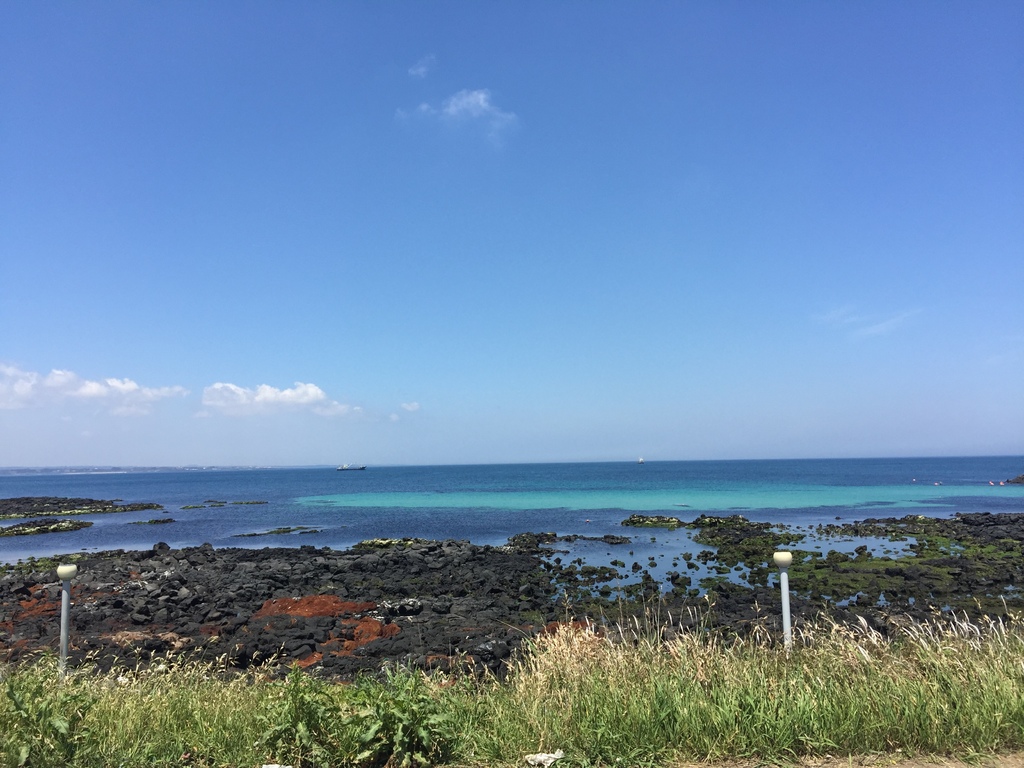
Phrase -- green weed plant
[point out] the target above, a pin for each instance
(401, 722)
(45, 721)
(636, 695)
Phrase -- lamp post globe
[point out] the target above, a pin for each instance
(65, 572)
(783, 560)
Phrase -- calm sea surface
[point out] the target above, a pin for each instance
(487, 504)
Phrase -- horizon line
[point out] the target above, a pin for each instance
(213, 467)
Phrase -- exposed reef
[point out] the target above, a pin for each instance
(653, 521)
(46, 506)
(434, 604)
(969, 562)
(279, 531)
(530, 542)
(34, 527)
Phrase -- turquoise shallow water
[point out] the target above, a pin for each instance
(488, 503)
(720, 499)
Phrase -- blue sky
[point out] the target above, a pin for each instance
(459, 232)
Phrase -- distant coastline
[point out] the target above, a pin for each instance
(89, 469)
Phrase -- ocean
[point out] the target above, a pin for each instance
(488, 503)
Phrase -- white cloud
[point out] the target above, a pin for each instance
(477, 105)
(236, 400)
(408, 407)
(26, 389)
(17, 387)
(334, 409)
(474, 104)
(470, 107)
(422, 67)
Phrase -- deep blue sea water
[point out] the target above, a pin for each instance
(487, 504)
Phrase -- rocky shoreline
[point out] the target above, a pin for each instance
(438, 604)
(425, 603)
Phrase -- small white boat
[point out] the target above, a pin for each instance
(640, 460)
(346, 467)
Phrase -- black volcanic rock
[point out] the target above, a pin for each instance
(345, 611)
(438, 604)
(46, 506)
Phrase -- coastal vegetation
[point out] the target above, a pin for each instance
(638, 694)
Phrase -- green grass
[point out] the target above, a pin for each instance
(958, 690)
(949, 688)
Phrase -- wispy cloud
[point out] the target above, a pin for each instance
(885, 326)
(124, 397)
(860, 325)
(470, 107)
(407, 407)
(1011, 350)
(423, 67)
(844, 315)
(477, 105)
(240, 401)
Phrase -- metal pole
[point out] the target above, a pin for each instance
(784, 560)
(65, 573)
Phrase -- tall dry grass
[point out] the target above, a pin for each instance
(623, 697)
(952, 687)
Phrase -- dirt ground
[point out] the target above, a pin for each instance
(1010, 760)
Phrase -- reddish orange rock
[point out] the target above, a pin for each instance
(311, 605)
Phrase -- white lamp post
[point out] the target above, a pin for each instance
(784, 560)
(65, 573)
